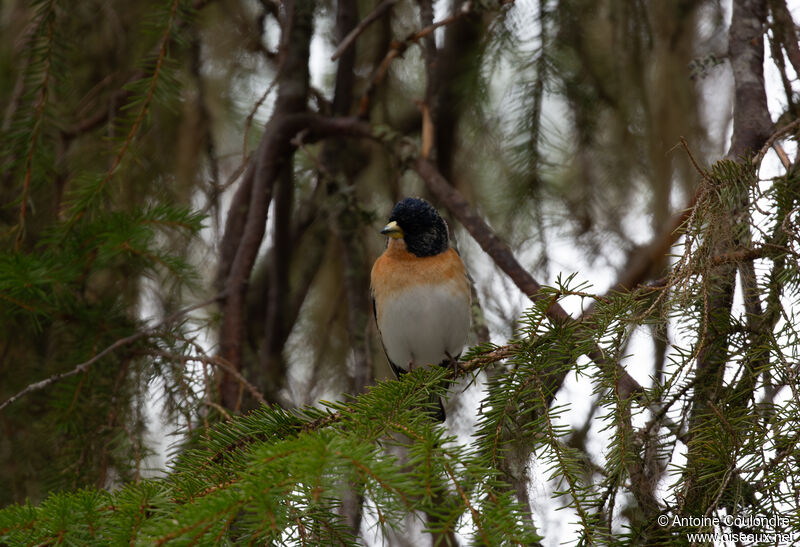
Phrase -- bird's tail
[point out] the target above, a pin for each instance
(435, 402)
(436, 408)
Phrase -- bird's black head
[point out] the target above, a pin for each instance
(418, 223)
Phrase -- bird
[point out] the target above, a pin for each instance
(421, 295)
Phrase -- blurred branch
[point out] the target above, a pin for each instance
(206, 123)
(429, 42)
(398, 48)
(277, 143)
(452, 73)
(642, 264)
(121, 95)
(304, 269)
(786, 30)
(244, 230)
(41, 101)
(253, 111)
(246, 222)
(484, 235)
(373, 16)
(272, 362)
(293, 90)
(752, 125)
(24, 45)
(167, 37)
(479, 326)
(339, 167)
(272, 166)
(102, 115)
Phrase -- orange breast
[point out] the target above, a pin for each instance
(397, 269)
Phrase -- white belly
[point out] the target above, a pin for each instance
(423, 325)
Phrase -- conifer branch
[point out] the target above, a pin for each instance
(102, 115)
(752, 128)
(143, 110)
(562, 465)
(120, 96)
(162, 55)
(49, 17)
(476, 517)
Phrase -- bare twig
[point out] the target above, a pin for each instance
(779, 134)
(219, 408)
(215, 361)
(249, 122)
(83, 367)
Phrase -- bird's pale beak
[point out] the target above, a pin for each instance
(392, 230)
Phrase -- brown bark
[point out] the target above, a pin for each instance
(751, 121)
(271, 167)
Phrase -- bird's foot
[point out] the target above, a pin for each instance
(453, 363)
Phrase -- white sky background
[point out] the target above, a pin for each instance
(556, 526)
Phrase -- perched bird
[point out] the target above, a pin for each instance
(420, 292)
